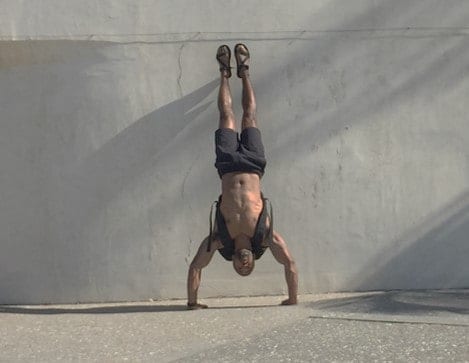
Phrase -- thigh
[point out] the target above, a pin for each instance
(226, 143)
(251, 139)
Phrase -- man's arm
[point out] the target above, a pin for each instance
(201, 259)
(282, 255)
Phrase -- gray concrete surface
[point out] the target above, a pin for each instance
(392, 326)
(107, 116)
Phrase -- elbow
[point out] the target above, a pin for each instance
(194, 269)
(290, 266)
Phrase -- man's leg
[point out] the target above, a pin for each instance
(226, 138)
(249, 103)
(227, 119)
(251, 140)
(248, 98)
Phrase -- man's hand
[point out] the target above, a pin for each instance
(289, 302)
(196, 306)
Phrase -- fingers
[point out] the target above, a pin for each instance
(289, 302)
(196, 306)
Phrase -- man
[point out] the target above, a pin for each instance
(243, 227)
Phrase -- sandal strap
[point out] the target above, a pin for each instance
(241, 68)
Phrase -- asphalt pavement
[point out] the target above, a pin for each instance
(384, 326)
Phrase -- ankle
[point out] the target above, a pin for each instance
(224, 73)
(243, 71)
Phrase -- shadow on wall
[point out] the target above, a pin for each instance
(139, 150)
(47, 113)
(31, 127)
(432, 255)
(420, 70)
(400, 302)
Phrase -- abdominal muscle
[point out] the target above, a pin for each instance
(241, 203)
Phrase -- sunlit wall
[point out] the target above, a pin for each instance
(107, 114)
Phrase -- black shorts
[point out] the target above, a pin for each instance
(245, 154)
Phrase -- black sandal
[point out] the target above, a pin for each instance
(240, 51)
(222, 51)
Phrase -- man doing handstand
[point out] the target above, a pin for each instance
(243, 226)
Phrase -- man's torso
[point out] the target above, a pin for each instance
(241, 203)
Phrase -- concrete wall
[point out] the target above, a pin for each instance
(107, 116)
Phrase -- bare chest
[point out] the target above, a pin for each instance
(241, 216)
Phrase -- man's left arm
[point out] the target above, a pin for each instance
(282, 255)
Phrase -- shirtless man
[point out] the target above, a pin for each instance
(242, 224)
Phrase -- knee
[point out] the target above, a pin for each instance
(226, 115)
(227, 120)
(249, 119)
(249, 113)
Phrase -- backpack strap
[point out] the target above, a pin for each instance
(271, 216)
(210, 234)
(271, 229)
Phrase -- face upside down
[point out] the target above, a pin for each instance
(243, 262)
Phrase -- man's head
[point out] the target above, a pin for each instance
(243, 261)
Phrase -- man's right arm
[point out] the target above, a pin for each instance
(201, 259)
(282, 255)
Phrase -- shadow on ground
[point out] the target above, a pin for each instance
(92, 310)
(115, 309)
(400, 302)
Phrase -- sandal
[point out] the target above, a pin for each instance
(242, 57)
(224, 58)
